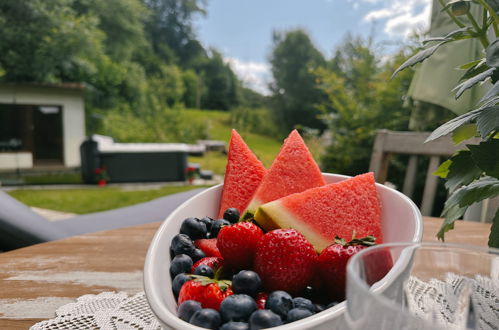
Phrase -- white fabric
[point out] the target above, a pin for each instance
(108, 310)
(448, 302)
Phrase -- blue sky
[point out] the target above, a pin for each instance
(242, 29)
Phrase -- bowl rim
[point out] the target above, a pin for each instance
(162, 312)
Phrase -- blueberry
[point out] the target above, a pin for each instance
(178, 281)
(182, 244)
(204, 270)
(246, 281)
(297, 314)
(187, 309)
(319, 308)
(208, 222)
(280, 302)
(180, 264)
(206, 318)
(264, 318)
(197, 254)
(231, 215)
(332, 304)
(193, 228)
(304, 303)
(237, 307)
(235, 326)
(217, 225)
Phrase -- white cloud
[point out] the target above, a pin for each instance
(400, 17)
(255, 75)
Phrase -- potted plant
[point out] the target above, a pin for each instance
(472, 174)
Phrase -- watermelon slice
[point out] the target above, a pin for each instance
(294, 170)
(243, 174)
(322, 213)
(208, 246)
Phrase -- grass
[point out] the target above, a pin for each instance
(82, 201)
(218, 122)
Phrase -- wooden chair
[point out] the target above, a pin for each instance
(388, 143)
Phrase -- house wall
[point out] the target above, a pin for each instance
(73, 113)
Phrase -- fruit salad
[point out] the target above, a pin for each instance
(277, 251)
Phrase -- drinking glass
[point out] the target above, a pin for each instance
(423, 286)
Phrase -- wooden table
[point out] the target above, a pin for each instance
(36, 280)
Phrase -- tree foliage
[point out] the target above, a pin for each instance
(360, 100)
(125, 52)
(295, 92)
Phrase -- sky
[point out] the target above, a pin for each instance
(242, 29)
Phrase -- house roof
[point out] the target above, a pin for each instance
(62, 85)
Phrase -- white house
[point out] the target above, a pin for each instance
(41, 125)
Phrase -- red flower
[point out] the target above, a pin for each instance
(98, 171)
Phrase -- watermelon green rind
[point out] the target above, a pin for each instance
(324, 212)
(293, 170)
(243, 174)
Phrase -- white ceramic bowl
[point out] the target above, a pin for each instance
(401, 222)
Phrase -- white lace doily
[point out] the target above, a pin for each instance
(107, 310)
(457, 302)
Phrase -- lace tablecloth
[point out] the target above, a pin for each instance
(110, 310)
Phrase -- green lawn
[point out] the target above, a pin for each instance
(218, 122)
(82, 201)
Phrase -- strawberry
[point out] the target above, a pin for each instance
(208, 246)
(285, 260)
(213, 262)
(208, 292)
(333, 260)
(237, 244)
(261, 299)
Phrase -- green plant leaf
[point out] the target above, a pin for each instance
(453, 213)
(459, 200)
(462, 171)
(419, 57)
(492, 54)
(488, 121)
(463, 133)
(485, 187)
(453, 124)
(486, 156)
(471, 64)
(491, 93)
(443, 169)
(473, 71)
(494, 232)
(473, 81)
(463, 33)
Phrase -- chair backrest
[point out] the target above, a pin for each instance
(388, 143)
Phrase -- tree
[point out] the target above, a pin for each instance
(53, 43)
(170, 30)
(294, 89)
(221, 84)
(361, 99)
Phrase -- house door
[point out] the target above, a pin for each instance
(47, 135)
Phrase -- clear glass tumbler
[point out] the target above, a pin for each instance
(423, 286)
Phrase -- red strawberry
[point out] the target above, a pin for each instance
(208, 246)
(209, 292)
(237, 244)
(213, 262)
(285, 260)
(333, 260)
(261, 299)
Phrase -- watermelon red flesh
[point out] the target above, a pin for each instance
(294, 170)
(322, 213)
(208, 246)
(243, 175)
